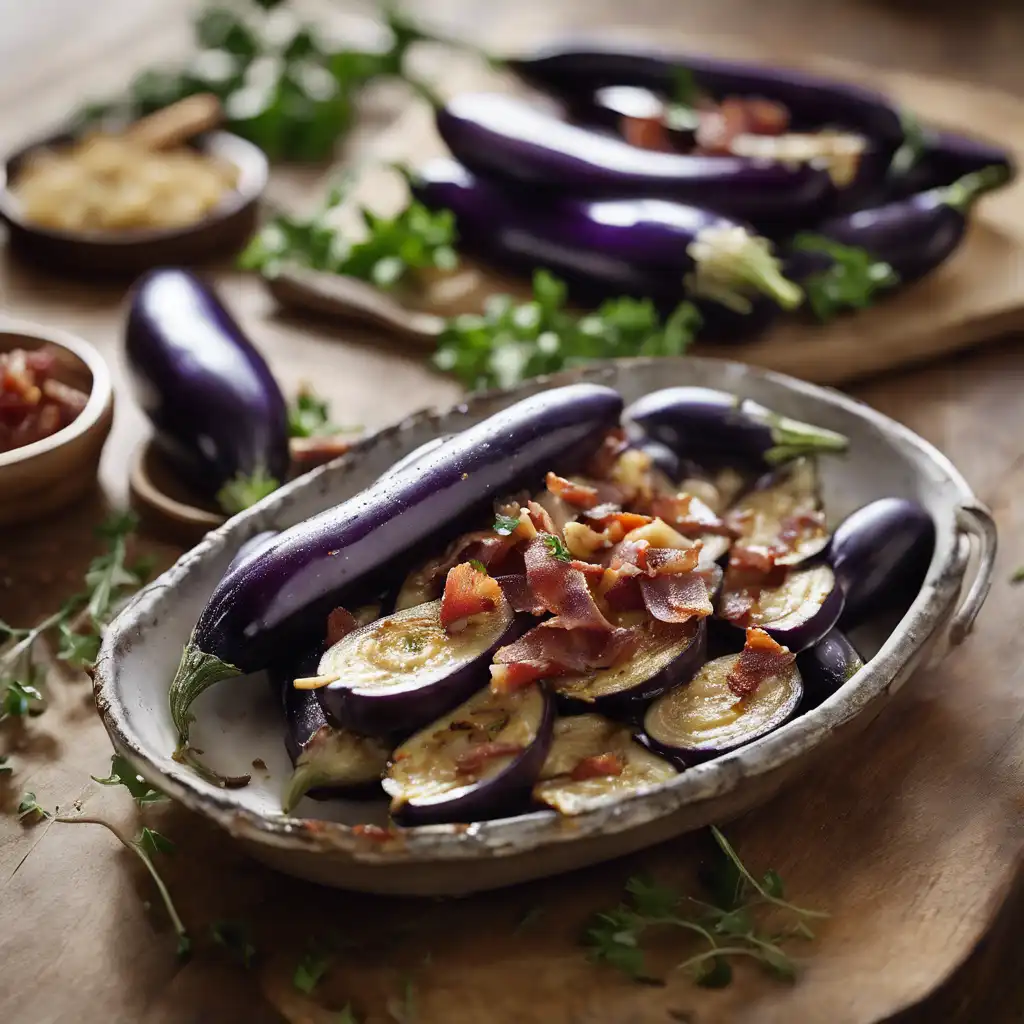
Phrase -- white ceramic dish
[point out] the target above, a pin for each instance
(237, 722)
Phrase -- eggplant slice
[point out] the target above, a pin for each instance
(399, 672)
(476, 763)
(707, 718)
(666, 655)
(593, 760)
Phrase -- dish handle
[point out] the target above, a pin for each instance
(975, 520)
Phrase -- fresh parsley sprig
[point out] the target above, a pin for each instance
(852, 279)
(727, 925)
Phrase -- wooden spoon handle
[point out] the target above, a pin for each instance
(177, 123)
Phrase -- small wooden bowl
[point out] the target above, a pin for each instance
(128, 253)
(46, 475)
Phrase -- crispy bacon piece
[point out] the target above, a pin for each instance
(516, 589)
(483, 546)
(793, 531)
(519, 675)
(561, 589)
(742, 590)
(340, 623)
(597, 766)
(541, 518)
(646, 133)
(580, 495)
(589, 569)
(676, 598)
(761, 658)
(608, 514)
(689, 515)
(473, 760)
(628, 552)
(613, 444)
(752, 558)
(671, 561)
(467, 592)
(800, 526)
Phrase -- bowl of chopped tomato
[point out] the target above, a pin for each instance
(56, 408)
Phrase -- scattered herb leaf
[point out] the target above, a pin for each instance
(913, 147)
(851, 281)
(311, 968)
(479, 566)
(234, 936)
(684, 87)
(1018, 575)
(153, 842)
(309, 415)
(29, 810)
(243, 492)
(123, 774)
(505, 526)
(557, 548)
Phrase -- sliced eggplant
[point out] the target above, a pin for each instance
(707, 717)
(478, 762)
(781, 519)
(830, 664)
(797, 610)
(666, 655)
(594, 760)
(402, 671)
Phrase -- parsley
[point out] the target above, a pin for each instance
(505, 526)
(479, 566)
(727, 926)
(511, 341)
(309, 415)
(557, 548)
(913, 147)
(29, 810)
(242, 492)
(311, 968)
(684, 87)
(123, 774)
(235, 938)
(1018, 575)
(851, 281)
(153, 842)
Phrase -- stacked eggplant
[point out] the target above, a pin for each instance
(564, 605)
(673, 176)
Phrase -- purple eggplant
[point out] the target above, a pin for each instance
(830, 664)
(478, 762)
(250, 547)
(665, 656)
(943, 158)
(715, 427)
(506, 138)
(398, 673)
(880, 556)
(647, 247)
(218, 413)
(357, 549)
(414, 456)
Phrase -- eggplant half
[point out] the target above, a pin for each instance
(830, 664)
(707, 717)
(666, 655)
(400, 672)
(476, 763)
(593, 760)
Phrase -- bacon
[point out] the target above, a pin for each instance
(340, 623)
(484, 546)
(597, 766)
(689, 515)
(589, 569)
(752, 558)
(516, 589)
(628, 552)
(646, 133)
(561, 589)
(613, 444)
(467, 592)
(580, 495)
(671, 561)
(761, 658)
(800, 526)
(608, 514)
(473, 760)
(541, 518)
(742, 591)
(676, 598)
(519, 675)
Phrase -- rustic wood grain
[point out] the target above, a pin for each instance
(910, 839)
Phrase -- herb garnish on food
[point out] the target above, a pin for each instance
(850, 282)
(557, 548)
(505, 526)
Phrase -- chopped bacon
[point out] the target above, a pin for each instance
(485, 546)
(608, 514)
(519, 675)
(794, 530)
(676, 598)
(762, 657)
(671, 561)
(561, 589)
(739, 115)
(646, 133)
(340, 623)
(766, 117)
(628, 552)
(580, 495)
(473, 760)
(590, 569)
(597, 766)
(752, 558)
(689, 515)
(623, 593)
(800, 527)
(613, 444)
(516, 589)
(541, 518)
(467, 592)
(742, 590)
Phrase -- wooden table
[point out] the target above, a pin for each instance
(64, 901)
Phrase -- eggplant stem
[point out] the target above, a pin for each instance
(197, 671)
(962, 194)
(791, 439)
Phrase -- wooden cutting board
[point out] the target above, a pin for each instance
(975, 296)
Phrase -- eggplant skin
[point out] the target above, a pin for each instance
(830, 664)
(286, 591)
(214, 404)
(250, 547)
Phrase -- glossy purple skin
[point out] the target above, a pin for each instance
(215, 406)
(414, 456)
(663, 458)
(827, 666)
(502, 796)
(571, 68)
(946, 158)
(377, 712)
(250, 547)
(506, 138)
(880, 555)
(286, 591)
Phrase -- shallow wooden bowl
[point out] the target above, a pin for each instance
(46, 475)
(128, 253)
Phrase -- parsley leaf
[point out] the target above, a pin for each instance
(1018, 575)
(557, 548)
(850, 281)
(479, 566)
(153, 842)
(29, 810)
(20, 699)
(243, 492)
(505, 526)
(310, 416)
(311, 968)
(123, 774)
(913, 147)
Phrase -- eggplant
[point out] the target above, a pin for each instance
(572, 69)
(720, 428)
(880, 555)
(250, 547)
(504, 137)
(826, 667)
(796, 611)
(666, 655)
(706, 718)
(217, 412)
(398, 673)
(593, 760)
(664, 459)
(414, 456)
(942, 159)
(650, 248)
(626, 108)
(476, 763)
(280, 599)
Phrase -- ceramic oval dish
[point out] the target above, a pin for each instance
(238, 724)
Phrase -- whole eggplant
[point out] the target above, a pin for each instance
(216, 408)
(356, 548)
(830, 664)
(571, 68)
(250, 547)
(944, 158)
(509, 139)
(653, 248)
(717, 427)
(880, 555)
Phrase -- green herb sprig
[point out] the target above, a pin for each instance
(727, 925)
(852, 281)
(556, 546)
